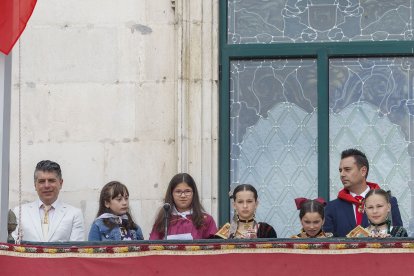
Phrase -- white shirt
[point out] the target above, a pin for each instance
(42, 210)
(363, 194)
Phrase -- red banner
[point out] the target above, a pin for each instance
(337, 258)
(14, 15)
(247, 263)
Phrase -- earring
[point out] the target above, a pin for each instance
(389, 217)
(233, 225)
(235, 216)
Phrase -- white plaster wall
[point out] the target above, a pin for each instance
(103, 92)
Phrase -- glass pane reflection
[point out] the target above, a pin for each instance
(264, 21)
(274, 135)
(371, 108)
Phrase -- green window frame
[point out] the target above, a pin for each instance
(322, 52)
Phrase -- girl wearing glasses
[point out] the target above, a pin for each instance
(187, 219)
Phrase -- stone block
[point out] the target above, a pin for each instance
(159, 12)
(156, 117)
(91, 112)
(150, 209)
(89, 209)
(135, 207)
(145, 167)
(131, 55)
(70, 54)
(159, 44)
(81, 164)
(88, 12)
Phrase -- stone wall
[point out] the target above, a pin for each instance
(117, 90)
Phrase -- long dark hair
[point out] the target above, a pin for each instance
(197, 214)
(110, 191)
(235, 221)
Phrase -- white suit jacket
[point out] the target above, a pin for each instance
(67, 223)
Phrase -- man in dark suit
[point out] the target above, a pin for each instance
(347, 211)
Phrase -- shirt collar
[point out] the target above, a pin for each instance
(118, 219)
(363, 194)
(182, 214)
(54, 204)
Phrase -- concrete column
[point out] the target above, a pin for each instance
(197, 88)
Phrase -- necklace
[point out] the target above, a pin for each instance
(247, 225)
(305, 235)
(247, 230)
(375, 228)
(245, 220)
(379, 224)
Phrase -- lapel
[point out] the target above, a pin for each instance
(60, 211)
(365, 222)
(349, 215)
(34, 218)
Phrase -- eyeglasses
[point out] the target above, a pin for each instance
(185, 192)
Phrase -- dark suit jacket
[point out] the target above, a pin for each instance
(340, 218)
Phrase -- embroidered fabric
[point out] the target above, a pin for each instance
(304, 235)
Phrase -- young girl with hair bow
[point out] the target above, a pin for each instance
(312, 217)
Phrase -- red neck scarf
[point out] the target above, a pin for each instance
(345, 195)
(358, 201)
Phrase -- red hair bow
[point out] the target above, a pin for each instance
(300, 200)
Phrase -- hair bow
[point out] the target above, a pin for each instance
(300, 200)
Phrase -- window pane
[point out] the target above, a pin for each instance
(263, 21)
(274, 135)
(371, 108)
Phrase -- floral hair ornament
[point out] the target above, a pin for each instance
(300, 200)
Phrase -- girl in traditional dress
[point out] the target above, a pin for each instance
(378, 208)
(244, 225)
(113, 221)
(312, 217)
(187, 219)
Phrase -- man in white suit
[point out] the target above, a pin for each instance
(48, 219)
